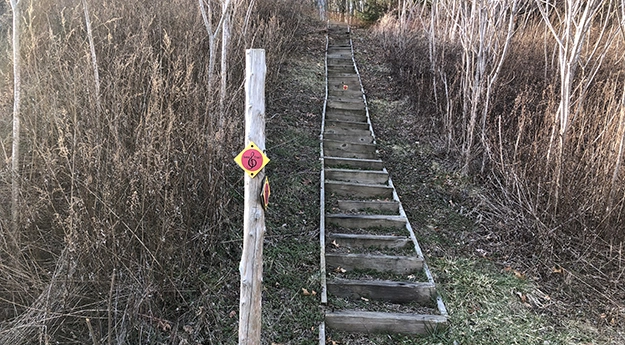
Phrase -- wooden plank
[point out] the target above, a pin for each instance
(348, 124)
(360, 190)
(362, 205)
(364, 164)
(362, 131)
(384, 290)
(346, 115)
(364, 221)
(370, 241)
(376, 322)
(349, 154)
(380, 263)
(341, 68)
(351, 78)
(346, 105)
(357, 176)
(348, 100)
(337, 145)
(350, 138)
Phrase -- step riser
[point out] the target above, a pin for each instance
(358, 205)
(366, 223)
(358, 191)
(394, 292)
(346, 106)
(358, 139)
(349, 147)
(348, 154)
(334, 162)
(346, 125)
(372, 322)
(342, 115)
(369, 241)
(356, 176)
(393, 264)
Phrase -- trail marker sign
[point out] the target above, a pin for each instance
(266, 192)
(251, 159)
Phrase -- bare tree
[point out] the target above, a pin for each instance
(15, 155)
(570, 27)
(226, 13)
(484, 30)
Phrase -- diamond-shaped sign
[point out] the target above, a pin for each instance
(251, 159)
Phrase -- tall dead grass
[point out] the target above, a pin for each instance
(566, 213)
(126, 174)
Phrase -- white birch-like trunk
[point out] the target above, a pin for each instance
(15, 154)
(225, 43)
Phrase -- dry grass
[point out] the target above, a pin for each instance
(543, 212)
(126, 213)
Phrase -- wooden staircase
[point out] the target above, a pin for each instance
(369, 252)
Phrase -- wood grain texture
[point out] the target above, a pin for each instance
(364, 221)
(391, 291)
(369, 241)
(376, 322)
(380, 263)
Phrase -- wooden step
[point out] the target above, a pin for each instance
(350, 138)
(350, 77)
(358, 190)
(363, 205)
(369, 241)
(364, 221)
(362, 125)
(384, 290)
(346, 115)
(343, 79)
(380, 263)
(376, 322)
(357, 176)
(364, 164)
(343, 99)
(346, 105)
(337, 148)
(334, 152)
(344, 85)
(341, 68)
(353, 93)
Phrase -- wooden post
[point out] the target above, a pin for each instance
(251, 266)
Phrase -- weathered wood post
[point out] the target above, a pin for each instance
(251, 266)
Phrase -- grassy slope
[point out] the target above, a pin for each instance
(489, 302)
(291, 249)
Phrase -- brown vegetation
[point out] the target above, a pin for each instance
(126, 173)
(558, 195)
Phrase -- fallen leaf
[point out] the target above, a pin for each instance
(305, 292)
(232, 314)
(340, 269)
(519, 274)
(507, 269)
(412, 277)
(557, 270)
(335, 244)
(314, 293)
(522, 297)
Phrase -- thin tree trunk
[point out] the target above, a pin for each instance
(225, 42)
(94, 60)
(15, 155)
